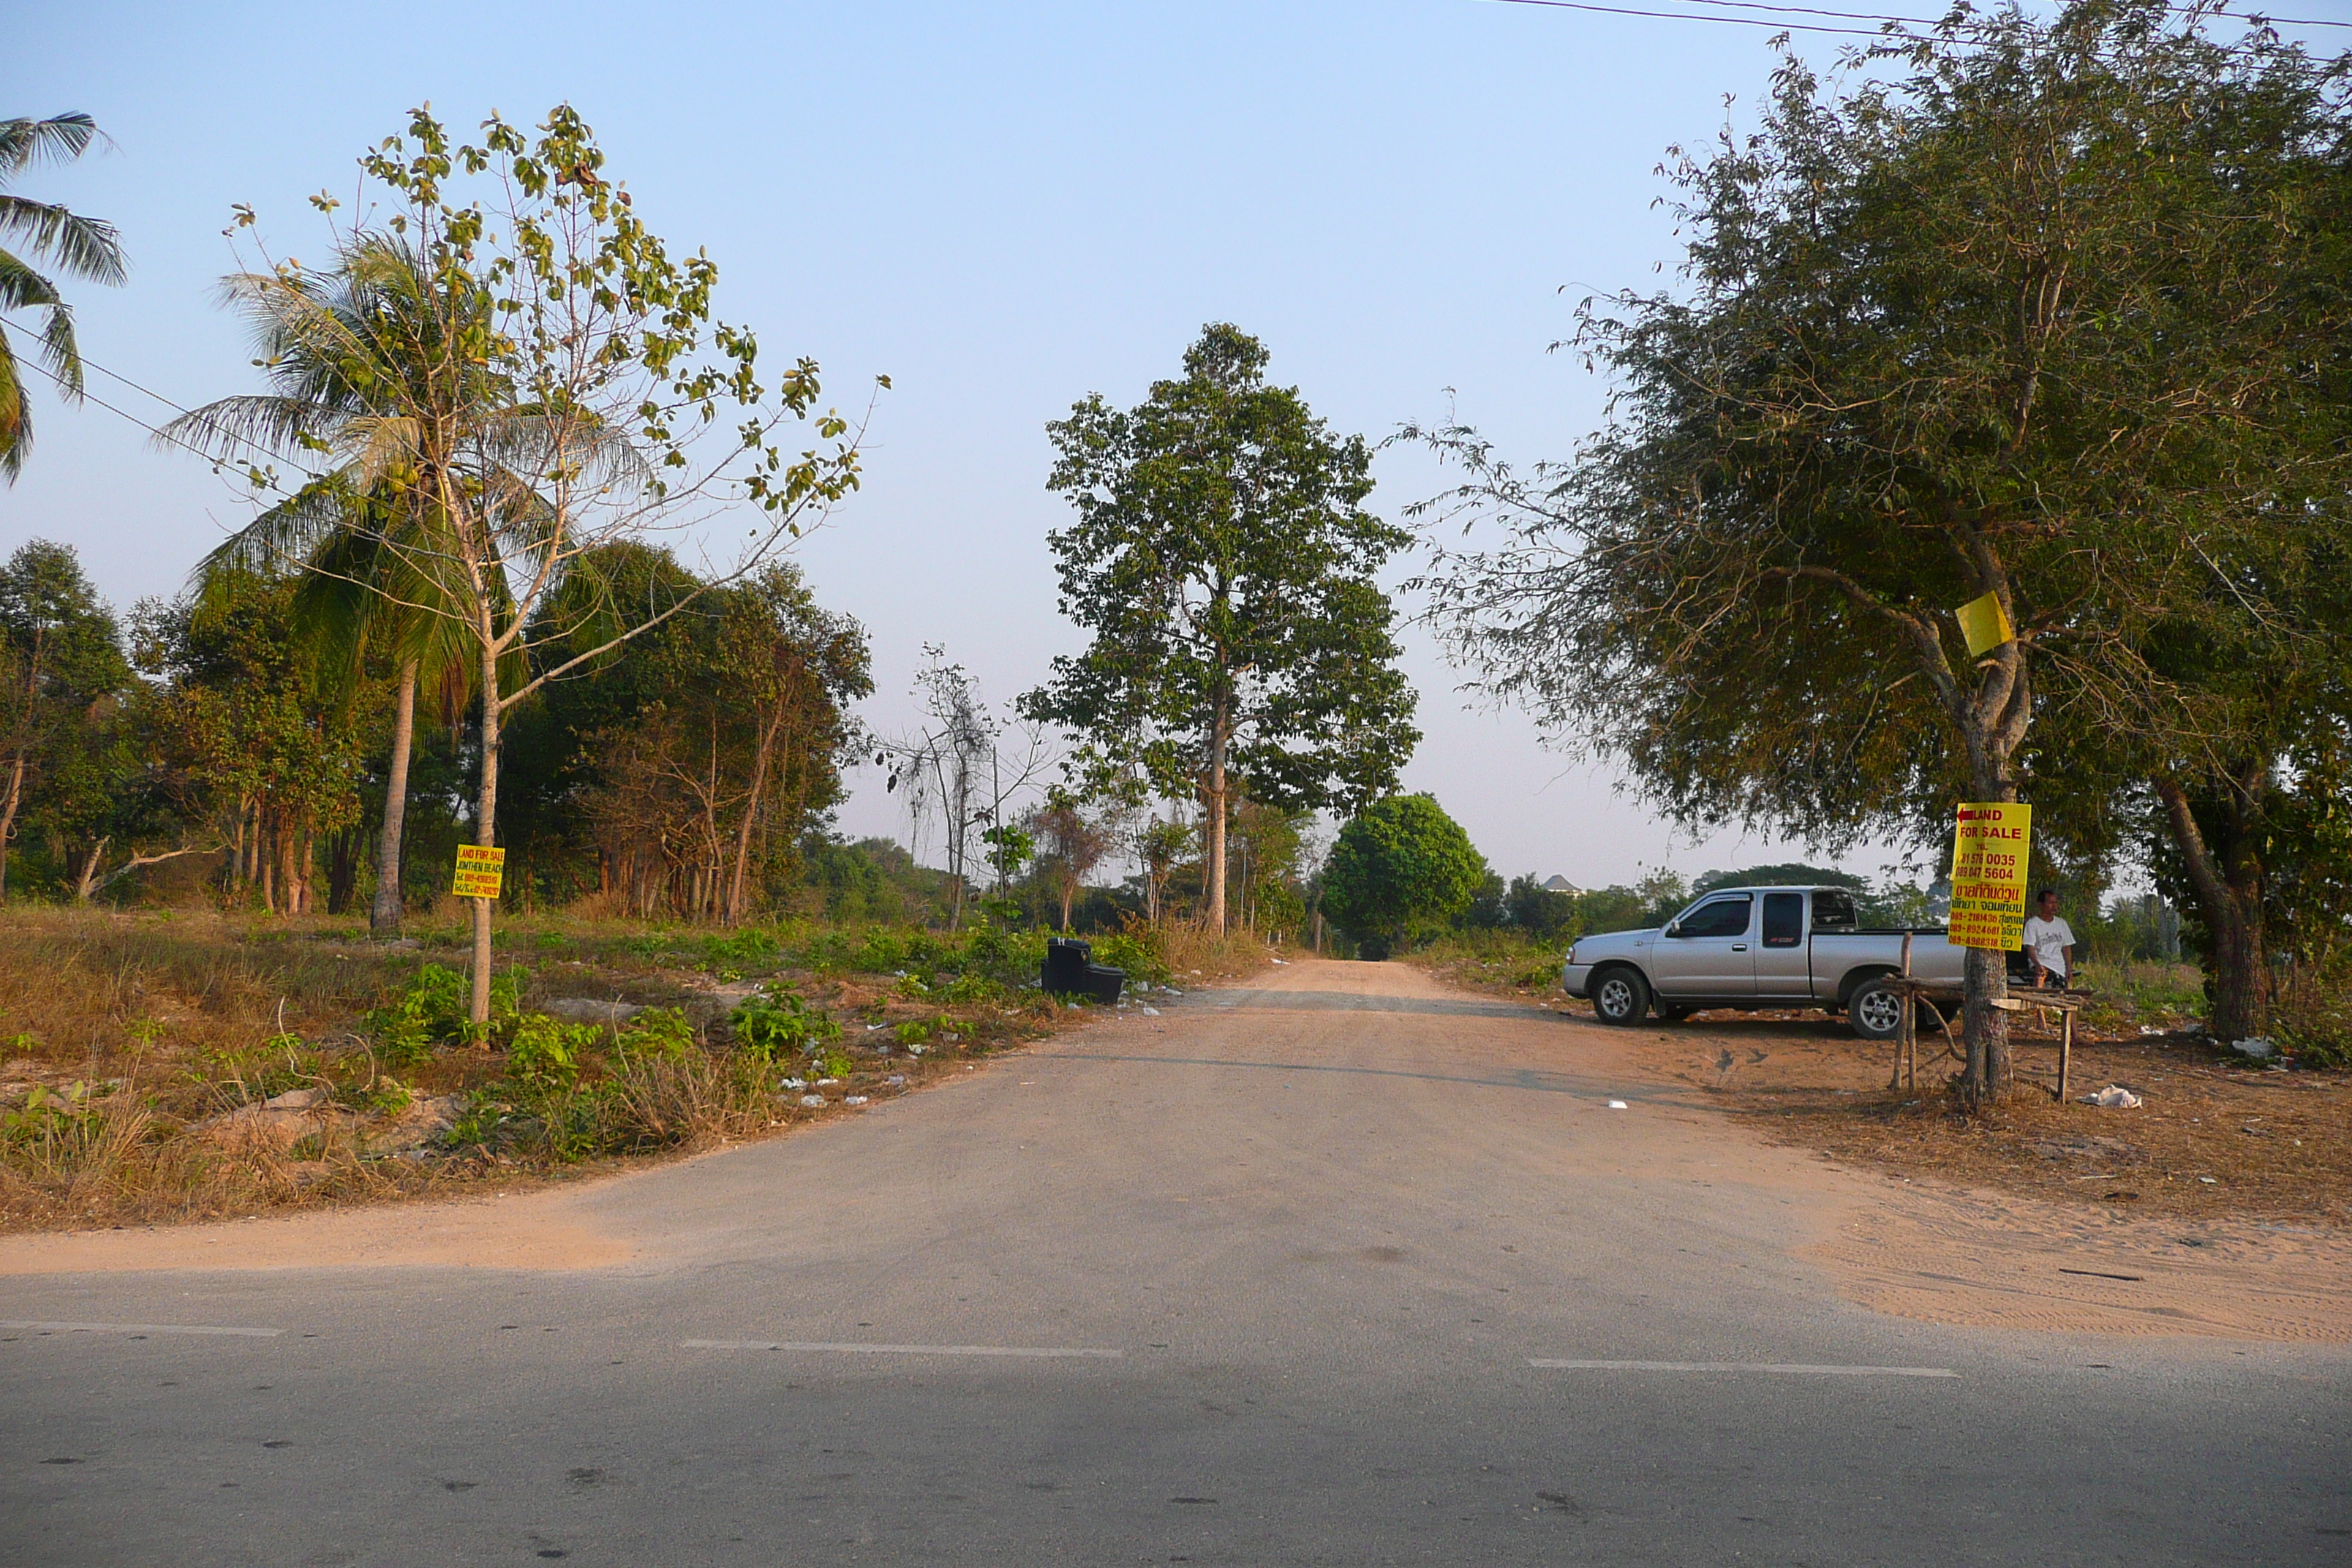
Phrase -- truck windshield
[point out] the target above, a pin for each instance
(1833, 910)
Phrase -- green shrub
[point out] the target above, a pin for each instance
(881, 952)
(1011, 958)
(657, 1033)
(912, 1034)
(546, 1052)
(1135, 953)
(970, 988)
(432, 1012)
(743, 949)
(777, 1022)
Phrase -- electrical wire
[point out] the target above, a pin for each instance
(1697, 16)
(163, 435)
(1780, 11)
(270, 454)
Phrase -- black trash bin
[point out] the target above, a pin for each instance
(1070, 970)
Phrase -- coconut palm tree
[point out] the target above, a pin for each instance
(75, 247)
(350, 353)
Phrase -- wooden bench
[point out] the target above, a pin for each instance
(1914, 992)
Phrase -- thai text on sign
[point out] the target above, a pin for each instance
(1988, 865)
(481, 872)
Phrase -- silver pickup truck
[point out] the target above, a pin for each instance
(1758, 947)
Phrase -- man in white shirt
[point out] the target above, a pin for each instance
(2049, 940)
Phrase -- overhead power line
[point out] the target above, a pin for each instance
(1777, 26)
(158, 432)
(1777, 13)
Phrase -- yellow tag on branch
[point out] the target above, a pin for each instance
(1989, 858)
(1986, 625)
(481, 872)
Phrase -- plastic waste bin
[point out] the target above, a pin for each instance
(1070, 970)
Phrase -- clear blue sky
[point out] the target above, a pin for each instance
(1003, 207)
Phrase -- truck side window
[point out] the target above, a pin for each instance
(1717, 917)
(1833, 910)
(1784, 920)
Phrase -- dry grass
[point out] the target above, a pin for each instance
(126, 1039)
(2211, 1138)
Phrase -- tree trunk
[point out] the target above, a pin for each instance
(750, 813)
(384, 914)
(89, 879)
(8, 814)
(2228, 892)
(1213, 916)
(485, 820)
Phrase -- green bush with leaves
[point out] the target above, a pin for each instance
(547, 1052)
(432, 1012)
(742, 952)
(1011, 958)
(660, 1034)
(777, 1022)
(1135, 953)
(882, 953)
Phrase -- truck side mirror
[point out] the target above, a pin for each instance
(1674, 928)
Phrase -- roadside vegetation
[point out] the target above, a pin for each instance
(178, 1065)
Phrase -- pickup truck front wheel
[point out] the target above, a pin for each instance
(1875, 1010)
(1621, 996)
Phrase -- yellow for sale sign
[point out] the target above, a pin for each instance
(1989, 866)
(481, 872)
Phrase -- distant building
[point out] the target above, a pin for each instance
(1558, 885)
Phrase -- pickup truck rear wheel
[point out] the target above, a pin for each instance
(1875, 1010)
(1620, 995)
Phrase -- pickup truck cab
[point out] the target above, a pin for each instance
(1760, 947)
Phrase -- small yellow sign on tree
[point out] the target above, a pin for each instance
(1986, 625)
(1989, 855)
(481, 872)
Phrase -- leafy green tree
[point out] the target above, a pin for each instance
(1399, 864)
(678, 774)
(49, 235)
(63, 679)
(584, 395)
(271, 751)
(1224, 564)
(2048, 316)
(1545, 913)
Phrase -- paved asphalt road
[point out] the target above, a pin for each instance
(1299, 1254)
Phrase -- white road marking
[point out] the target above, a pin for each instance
(893, 1350)
(1788, 1369)
(139, 1328)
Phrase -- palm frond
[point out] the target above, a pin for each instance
(59, 139)
(20, 286)
(279, 538)
(81, 246)
(15, 419)
(58, 347)
(232, 427)
(380, 448)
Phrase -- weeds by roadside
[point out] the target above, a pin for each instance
(182, 1065)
